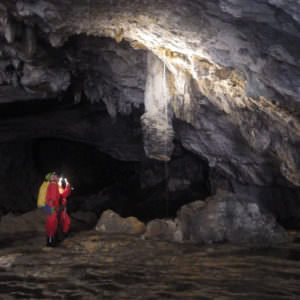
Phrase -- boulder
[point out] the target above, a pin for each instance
(111, 222)
(230, 217)
(33, 221)
(167, 230)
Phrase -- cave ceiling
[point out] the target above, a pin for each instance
(220, 76)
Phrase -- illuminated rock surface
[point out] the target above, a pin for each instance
(110, 222)
(232, 72)
(227, 217)
(185, 97)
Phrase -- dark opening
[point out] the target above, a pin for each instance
(88, 170)
(147, 190)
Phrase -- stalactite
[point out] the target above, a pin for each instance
(156, 122)
(77, 96)
(10, 30)
(30, 41)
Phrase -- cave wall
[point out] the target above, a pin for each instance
(148, 188)
(82, 123)
(18, 177)
(219, 77)
(241, 58)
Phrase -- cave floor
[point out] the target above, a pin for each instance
(90, 265)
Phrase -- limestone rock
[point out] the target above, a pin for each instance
(228, 70)
(219, 77)
(167, 230)
(229, 217)
(110, 222)
(157, 128)
(54, 80)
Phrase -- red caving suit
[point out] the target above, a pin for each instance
(52, 200)
(55, 197)
(64, 220)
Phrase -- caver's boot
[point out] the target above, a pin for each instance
(50, 241)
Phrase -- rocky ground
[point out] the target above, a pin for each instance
(93, 265)
(123, 258)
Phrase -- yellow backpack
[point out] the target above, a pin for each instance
(41, 202)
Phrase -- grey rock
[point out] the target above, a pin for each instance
(237, 59)
(30, 41)
(10, 31)
(232, 218)
(157, 128)
(55, 80)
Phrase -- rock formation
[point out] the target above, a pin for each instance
(110, 222)
(135, 79)
(227, 217)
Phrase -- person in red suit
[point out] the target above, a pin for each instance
(64, 219)
(52, 208)
(54, 198)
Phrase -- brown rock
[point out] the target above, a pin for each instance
(110, 222)
(33, 221)
(163, 230)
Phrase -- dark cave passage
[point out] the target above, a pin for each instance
(92, 173)
(88, 169)
(146, 189)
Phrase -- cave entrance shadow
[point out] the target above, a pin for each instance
(142, 189)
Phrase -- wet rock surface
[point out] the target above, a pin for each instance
(90, 265)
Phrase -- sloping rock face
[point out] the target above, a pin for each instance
(229, 217)
(220, 77)
(34, 221)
